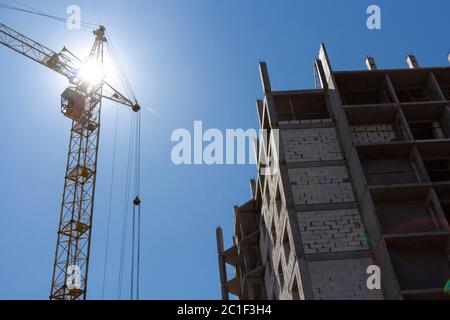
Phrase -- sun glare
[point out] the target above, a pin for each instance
(92, 73)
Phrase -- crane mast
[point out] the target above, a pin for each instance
(81, 102)
(83, 105)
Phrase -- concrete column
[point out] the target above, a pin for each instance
(412, 62)
(265, 77)
(371, 64)
(222, 265)
(369, 217)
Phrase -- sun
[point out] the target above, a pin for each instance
(92, 73)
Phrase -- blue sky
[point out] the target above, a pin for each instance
(187, 60)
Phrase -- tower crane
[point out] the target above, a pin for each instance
(81, 102)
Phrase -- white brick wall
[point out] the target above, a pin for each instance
(342, 280)
(370, 134)
(332, 231)
(321, 185)
(319, 144)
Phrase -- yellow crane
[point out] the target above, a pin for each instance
(81, 102)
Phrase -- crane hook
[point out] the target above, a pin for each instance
(137, 201)
(136, 107)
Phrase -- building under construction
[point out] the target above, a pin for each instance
(363, 180)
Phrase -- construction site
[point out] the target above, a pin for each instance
(121, 159)
(363, 180)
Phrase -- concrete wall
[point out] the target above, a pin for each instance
(342, 280)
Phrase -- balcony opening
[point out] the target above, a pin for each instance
(375, 124)
(436, 158)
(251, 257)
(361, 97)
(304, 107)
(443, 78)
(403, 211)
(446, 92)
(389, 171)
(420, 269)
(445, 205)
(286, 246)
(423, 130)
(428, 122)
(278, 202)
(416, 94)
(446, 208)
(390, 165)
(363, 88)
(232, 272)
(438, 170)
(247, 219)
(414, 86)
(405, 217)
